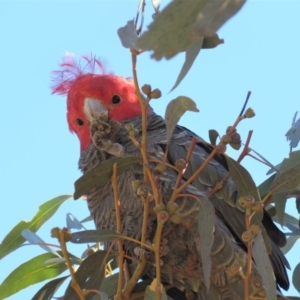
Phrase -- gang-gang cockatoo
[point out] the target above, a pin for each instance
(114, 98)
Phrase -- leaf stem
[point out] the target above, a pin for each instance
(193, 177)
(64, 250)
(119, 230)
(135, 277)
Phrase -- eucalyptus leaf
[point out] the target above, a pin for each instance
(33, 238)
(14, 238)
(150, 293)
(175, 109)
(90, 274)
(207, 219)
(280, 201)
(72, 222)
(296, 277)
(102, 173)
(190, 55)
(264, 266)
(181, 23)
(290, 242)
(265, 186)
(49, 289)
(293, 134)
(31, 272)
(128, 35)
(289, 177)
(110, 285)
(89, 236)
(287, 217)
(213, 135)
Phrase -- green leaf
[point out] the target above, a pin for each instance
(213, 135)
(298, 204)
(265, 186)
(296, 278)
(110, 285)
(289, 178)
(207, 219)
(34, 239)
(89, 236)
(290, 242)
(287, 218)
(175, 109)
(280, 201)
(128, 35)
(49, 289)
(150, 293)
(246, 186)
(190, 55)
(264, 267)
(102, 173)
(87, 219)
(90, 274)
(272, 170)
(14, 238)
(213, 41)
(182, 23)
(31, 272)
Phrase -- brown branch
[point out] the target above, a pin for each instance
(246, 147)
(64, 250)
(119, 230)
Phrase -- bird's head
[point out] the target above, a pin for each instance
(90, 94)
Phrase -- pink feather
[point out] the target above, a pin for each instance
(71, 69)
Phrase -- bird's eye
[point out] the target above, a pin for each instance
(79, 122)
(116, 99)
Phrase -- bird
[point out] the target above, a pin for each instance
(99, 105)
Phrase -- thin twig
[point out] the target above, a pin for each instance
(119, 230)
(145, 219)
(135, 277)
(249, 259)
(245, 104)
(246, 147)
(193, 177)
(64, 250)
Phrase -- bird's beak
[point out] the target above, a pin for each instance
(94, 109)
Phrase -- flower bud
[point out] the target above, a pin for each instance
(257, 207)
(159, 207)
(246, 201)
(176, 218)
(142, 190)
(180, 164)
(129, 127)
(172, 207)
(247, 236)
(235, 138)
(255, 229)
(226, 139)
(67, 234)
(155, 94)
(249, 113)
(235, 146)
(159, 169)
(163, 216)
(90, 251)
(221, 148)
(234, 269)
(229, 129)
(146, 89)
(136, 184)
(55, 232)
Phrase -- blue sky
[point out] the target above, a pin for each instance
(38, 154)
